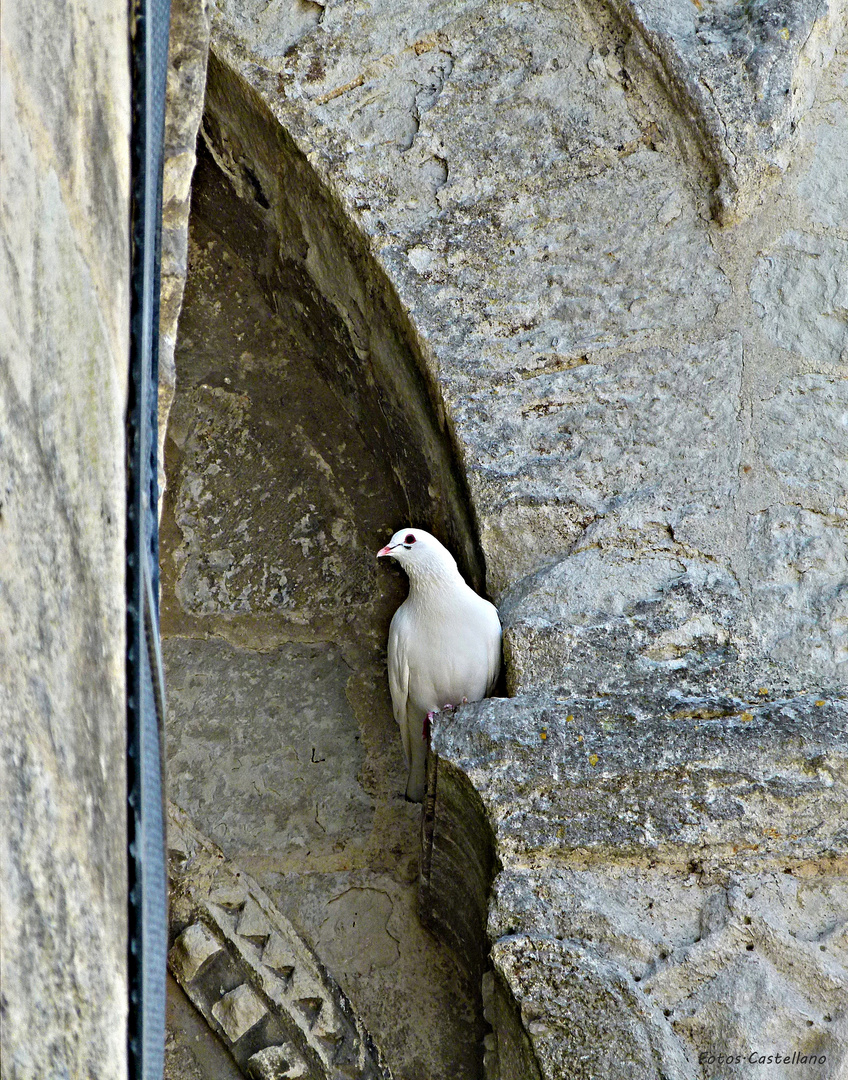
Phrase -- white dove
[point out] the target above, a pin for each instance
(444, 645)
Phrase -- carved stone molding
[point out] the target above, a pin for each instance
(255, 980)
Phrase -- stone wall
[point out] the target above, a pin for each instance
(188, 52)
(64, 347)
(612, 239)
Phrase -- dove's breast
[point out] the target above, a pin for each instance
(453, 651)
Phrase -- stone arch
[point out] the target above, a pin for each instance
(621, 283)
(305, 429)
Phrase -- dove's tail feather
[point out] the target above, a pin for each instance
(417, 779)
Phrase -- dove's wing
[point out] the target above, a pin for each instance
(398, 664)
(493, 651)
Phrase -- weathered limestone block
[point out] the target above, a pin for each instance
(257, 983)
(741, 75)
(805, 441)
(188, 51)
(552, 776)
(671, 876)
(192, 949)
(64, 347)
(800, 291)
(799, 600)
(610, 618)
(246, 772)
(823, 186)
(584, 1016)
(655, 429)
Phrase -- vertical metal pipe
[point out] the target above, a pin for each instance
(149, 20)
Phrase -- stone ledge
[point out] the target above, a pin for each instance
(670, 878)
(672, 776)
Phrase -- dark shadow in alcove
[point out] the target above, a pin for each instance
(303, 433)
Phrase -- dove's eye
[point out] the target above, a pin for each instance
(409, 539)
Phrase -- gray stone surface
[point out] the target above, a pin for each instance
(670, 877)
(64, 341)
(672, 774)
(413, 993)
(800, 291)
(742, 75)
(287, 750)
(188, 52)
(610, 238)
(823, 186)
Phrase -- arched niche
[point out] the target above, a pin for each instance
(304, 431)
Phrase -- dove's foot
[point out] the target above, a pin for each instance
(447, 707)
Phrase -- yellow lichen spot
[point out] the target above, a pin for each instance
(580, 738)
(569, 719)
(593, 760)
(747, 717)
(763, 691)
(784, 33)
(543, 734)
(820, 702)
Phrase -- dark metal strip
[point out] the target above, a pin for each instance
(145, 690)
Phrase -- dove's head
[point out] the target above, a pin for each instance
(419, 553)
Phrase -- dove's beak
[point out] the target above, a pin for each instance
(387, 550)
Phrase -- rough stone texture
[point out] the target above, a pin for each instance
(742, 75)
(800, 292)
(64, 345)
(269, 731)
(188, 52)
(192, 1050)
(611, 237)
(251, 975)
(671, 877)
